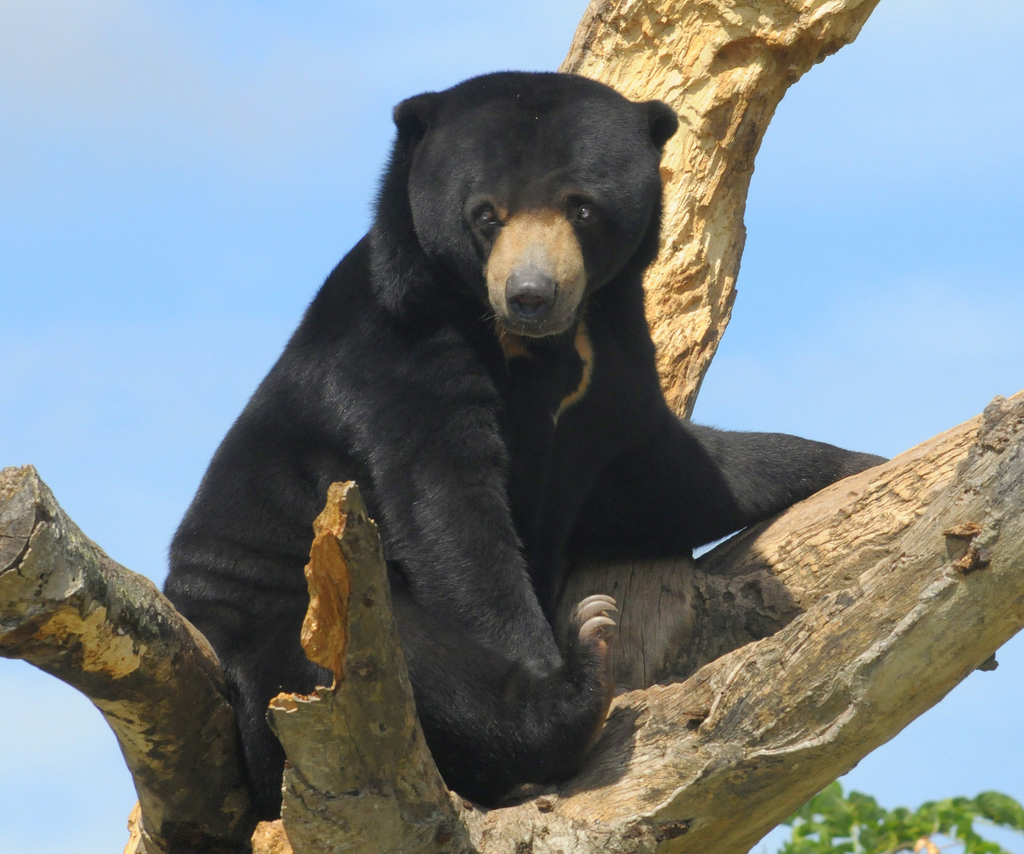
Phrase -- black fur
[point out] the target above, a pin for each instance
(396, 379)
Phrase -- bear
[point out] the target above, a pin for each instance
(480, 364)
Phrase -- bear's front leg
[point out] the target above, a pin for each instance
(686, 485)
(499, 702)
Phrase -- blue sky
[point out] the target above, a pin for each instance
(178, 178)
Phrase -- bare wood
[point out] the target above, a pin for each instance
(360, 777)
(70, 610)
(723, 66)
(270, 838)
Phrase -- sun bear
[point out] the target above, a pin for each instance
(481, 366)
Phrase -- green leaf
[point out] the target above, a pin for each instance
(834, 823)
(1001, 809)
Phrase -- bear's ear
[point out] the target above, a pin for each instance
(662, 121)
(415, 115)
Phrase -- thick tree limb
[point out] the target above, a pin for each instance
(757, 582)
(70, 610)
(724, 65)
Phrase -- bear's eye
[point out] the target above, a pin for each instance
(582, 213)
(486, 216)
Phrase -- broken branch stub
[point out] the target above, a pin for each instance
(359, 768)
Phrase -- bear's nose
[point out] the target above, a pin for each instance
(530, 294)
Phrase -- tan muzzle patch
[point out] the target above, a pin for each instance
(544, 241)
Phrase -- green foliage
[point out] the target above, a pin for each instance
(832, 822)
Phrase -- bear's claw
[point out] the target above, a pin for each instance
(593, 618)
(596, 627)
(594, 605)
(594, 624)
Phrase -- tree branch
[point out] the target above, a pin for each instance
(903, 579)
(757, 582)
(70, 610)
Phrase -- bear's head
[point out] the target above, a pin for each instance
(531, 190)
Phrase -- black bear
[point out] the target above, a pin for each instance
(480, 364)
